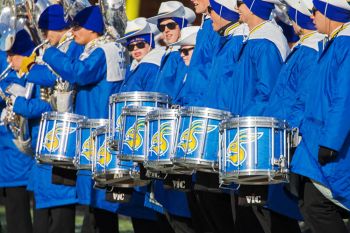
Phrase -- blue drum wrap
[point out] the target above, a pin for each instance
(57, 141)
(132, 146)
(254, 147)
(198, 138)
(85, 141)
(121, 100)
(161, 139)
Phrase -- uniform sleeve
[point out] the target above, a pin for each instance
(41, 75)
(80, 72)
(32, 108)
(337, 124)
(268, 63)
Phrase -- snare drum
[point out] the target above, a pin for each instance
(198, 138)
(101, 154)
(254, 151)
(118, 101)
(132, 134)
(161, 128)
(57, 138)
(85, 142)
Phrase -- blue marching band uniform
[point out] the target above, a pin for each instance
(255, 61)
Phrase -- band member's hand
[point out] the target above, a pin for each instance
(326, 155)
(27, 62)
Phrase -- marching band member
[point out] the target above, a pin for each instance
(295, 76)
(15, 165)
(250, 87)
(187, 43)
(299, 65)
(54, 187)
(139, 40)
(322, 157)
(98, 72)
(198, 71)
(140, 76)
(172, 17)
(225, 22)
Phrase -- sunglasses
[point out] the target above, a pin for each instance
(139, 45)
(170, 26)
(314, 10)
(210, 9)
(186, 52)
(239, 3)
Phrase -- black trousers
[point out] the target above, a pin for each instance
(17, 208)
(161, 225)
(261, 220)
(321, 214)
(212, 210)
(99, 221)
(55, 220)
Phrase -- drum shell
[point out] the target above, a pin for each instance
(161, 139)
(132, 145)
(118, 101)
(57, 138)
(85, 152)
(254, 150)
(198, 138)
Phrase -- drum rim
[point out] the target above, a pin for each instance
(93, 123)
(100, 130)
(248, 121)
(163, 114)
(137, 110)
(71, 117)
(140, 96)
(205, 112)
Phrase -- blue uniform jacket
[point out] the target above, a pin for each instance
(295, 74)
(326, 121)
(223, 68)
(15, 166)
(140, 79)
(167, 81)
(207, 45)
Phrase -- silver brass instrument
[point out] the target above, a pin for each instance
(115, 17)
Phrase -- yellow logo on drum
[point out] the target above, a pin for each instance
(188, 140)
(133, 138)
(88, 148)
(236, 152)
(159, 143)
(52, 140)
(118, 124)
(103, 155)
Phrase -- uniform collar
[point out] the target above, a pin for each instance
(227, 30)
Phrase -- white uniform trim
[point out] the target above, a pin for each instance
(272, 32)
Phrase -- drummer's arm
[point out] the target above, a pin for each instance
(41, 75)
(336, 130)
(30, 108)
(267, 76)
(81, 72)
